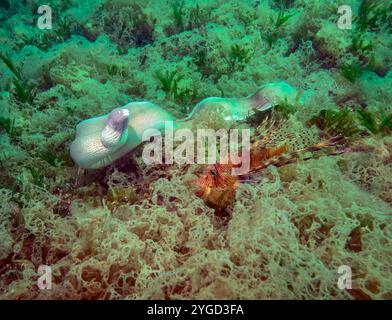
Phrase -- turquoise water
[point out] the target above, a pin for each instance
(309, 80)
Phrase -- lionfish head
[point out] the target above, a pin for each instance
(214, 177)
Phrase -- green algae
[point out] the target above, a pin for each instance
(137, 231)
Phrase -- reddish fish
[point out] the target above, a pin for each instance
(217, 186)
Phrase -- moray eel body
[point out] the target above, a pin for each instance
(101, 140)
(238, 109)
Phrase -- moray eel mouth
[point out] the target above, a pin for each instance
(259, 101)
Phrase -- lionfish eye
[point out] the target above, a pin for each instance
(213, 172)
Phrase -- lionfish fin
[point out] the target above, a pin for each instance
(291, 157)
(262, 156)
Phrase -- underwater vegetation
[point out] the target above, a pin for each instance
(373, 15)
(350, 123)
(22, 90)
(164, 231)
(381, 123)
(8, 125)
(169, 83)
(239, 56)
(277, 25)
(351, 71)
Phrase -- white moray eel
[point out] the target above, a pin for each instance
(101, 140)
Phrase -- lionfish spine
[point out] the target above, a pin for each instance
(293, 156)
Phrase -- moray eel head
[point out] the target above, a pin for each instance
(98, 138)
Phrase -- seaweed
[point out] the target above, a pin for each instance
(372, 14)
(198, 17)
(239, 56)
(200, 59)
(274, 33)
(37, 177)
(127, 25)
(169, 82)
(6, 58)
(247, 15)
(50, 158)
(42, 40)
(178, 10)
(63, 30)
(284, 108)
(112, 69)
(184, 96)
(364, 57)
(381, 124)
(351, 71)
(23, 91)
(336, 122)
(167, 79)
(8, 125)
(368, 120)
(45, 39)
(347, 122)
(120, 195)
(358, 44)
(282, 18)
(271, 38)
(385, 124)
(141, 31)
